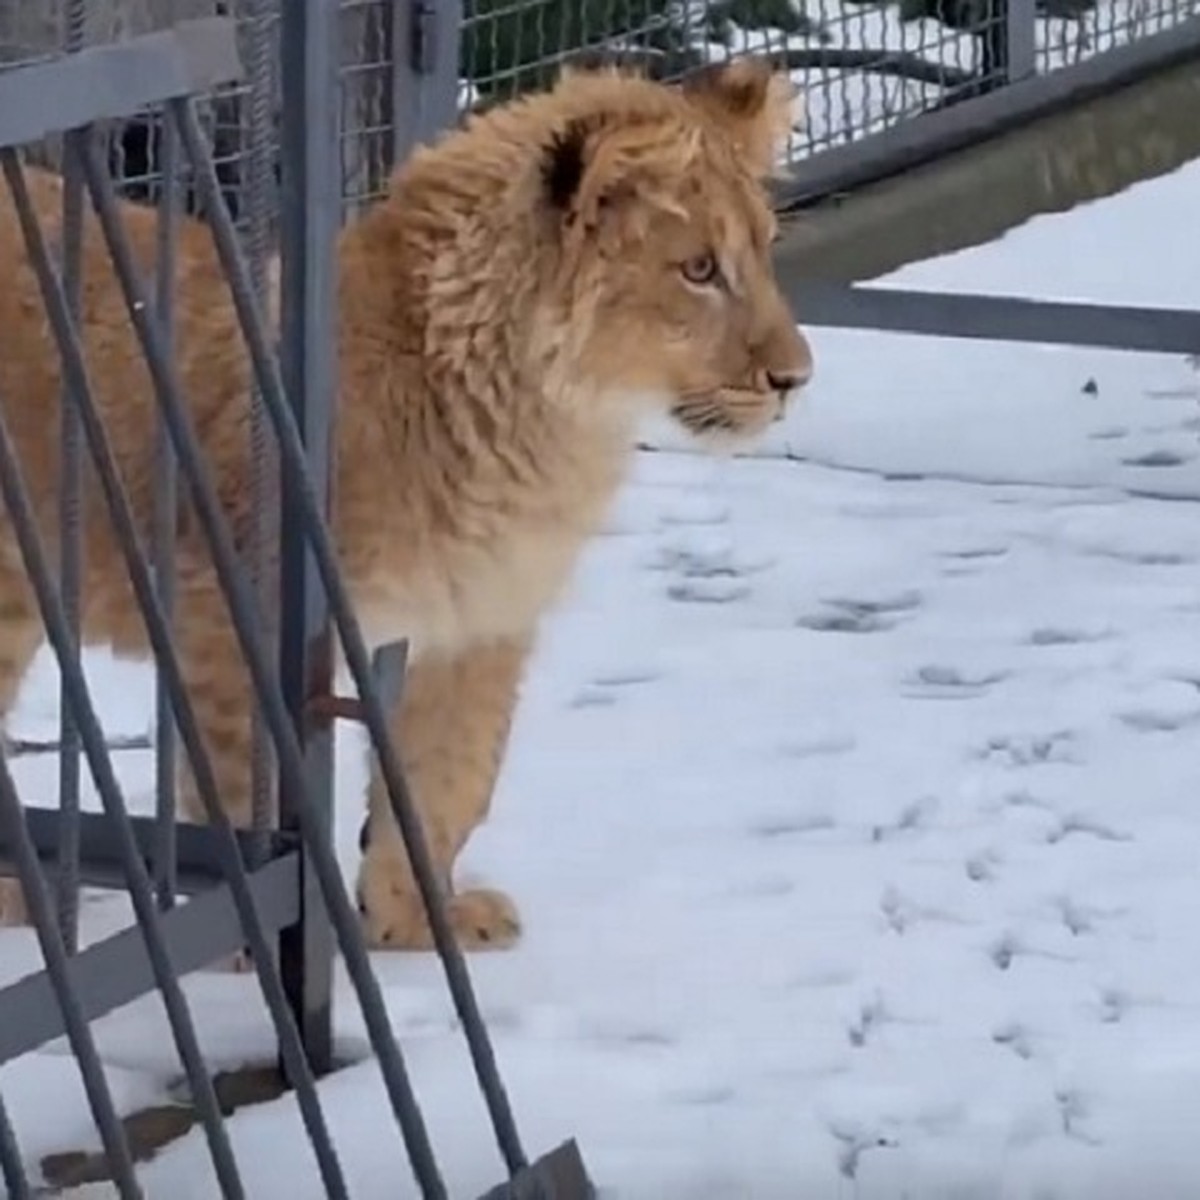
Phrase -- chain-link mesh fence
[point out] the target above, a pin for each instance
(863, 66)
(241, 119)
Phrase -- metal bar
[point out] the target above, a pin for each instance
(199, 846)
(58, 965)
(995, 318)
(116, 971)
(70, 526)
(166, 502)
(260, 194)
(424, 69)
(910, 143)
(116, 80)
(1020, 36)
(241, 602)
(308, 221)
(300, 492)
(78, 696)
(291, 1049)
(12, 1166)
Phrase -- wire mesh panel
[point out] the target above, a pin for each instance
(864, 65)
(1079, 29)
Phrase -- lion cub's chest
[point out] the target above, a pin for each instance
(471, 590)
(509, 557)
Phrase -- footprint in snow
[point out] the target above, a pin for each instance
(697, 514)
(1078, 825)
(792, 825)
(706, 563)
(1149, 720)
(971, 553)
(941, 682)
(1055, 635)
(1157, 458)
(1028, 750)
(709, 591)
(603, 691)
(849, 615)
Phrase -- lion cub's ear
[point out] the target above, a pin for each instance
(752, 102)
(564, 165)
(592, 169)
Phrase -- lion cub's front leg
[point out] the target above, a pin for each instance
(451, 726)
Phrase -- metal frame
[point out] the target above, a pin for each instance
(996, 318)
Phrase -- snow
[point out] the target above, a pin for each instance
(850, 805)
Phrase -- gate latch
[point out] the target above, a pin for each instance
(424, 36)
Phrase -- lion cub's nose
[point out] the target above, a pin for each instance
(790, 378)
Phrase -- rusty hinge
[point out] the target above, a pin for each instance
(388, 665)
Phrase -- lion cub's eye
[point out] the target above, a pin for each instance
(701, 269)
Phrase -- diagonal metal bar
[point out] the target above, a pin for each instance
(999, 318)
(54, 953)
(299, 491)
(12, 1167)
(241, 602)
(162, 645)
(264, 484)
(70, 526)
(77, 694)
(116, 80)
(163, 526)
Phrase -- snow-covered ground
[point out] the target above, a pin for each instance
(851, 807)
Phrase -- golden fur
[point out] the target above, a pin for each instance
(533, 284)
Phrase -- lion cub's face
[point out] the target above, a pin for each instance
(667, 246)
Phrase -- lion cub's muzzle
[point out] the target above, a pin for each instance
(789, 367)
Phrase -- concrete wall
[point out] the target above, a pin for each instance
(1136, 133)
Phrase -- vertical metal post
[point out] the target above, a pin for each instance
(310, 204)
(1020, 18)
(426, 36)
(1006, 43)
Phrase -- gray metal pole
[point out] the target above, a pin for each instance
(425, 48)
(309, 218)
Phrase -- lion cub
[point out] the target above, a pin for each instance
(534, 283)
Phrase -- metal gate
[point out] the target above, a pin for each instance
(277, 892)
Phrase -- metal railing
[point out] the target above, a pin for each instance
(200, 893)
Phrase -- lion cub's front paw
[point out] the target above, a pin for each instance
(394, 917)
(13, 910)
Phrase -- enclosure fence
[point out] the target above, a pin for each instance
(202, 893)
(275, 120)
